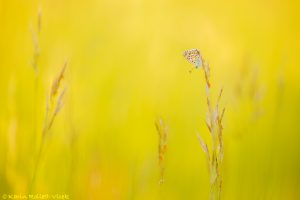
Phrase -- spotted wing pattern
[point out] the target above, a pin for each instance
(193, 56)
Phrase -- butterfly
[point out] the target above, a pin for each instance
(194, 57)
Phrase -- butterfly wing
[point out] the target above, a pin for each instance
(194, 57)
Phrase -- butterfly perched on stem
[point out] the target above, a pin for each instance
(194, 57)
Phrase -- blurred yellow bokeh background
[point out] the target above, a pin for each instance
(125, 70)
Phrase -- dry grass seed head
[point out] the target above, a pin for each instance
(39, 21)
(214, 125)
(162, 131)
(57, 81)
(163, 134)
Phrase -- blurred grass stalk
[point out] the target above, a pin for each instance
(162, 131)
(215, 154)
(54, 101)
(35, 65)
(53, 106)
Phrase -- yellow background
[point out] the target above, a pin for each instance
(125, 70)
